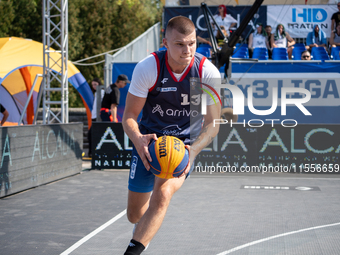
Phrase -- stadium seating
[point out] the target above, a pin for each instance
(319, 53)
(241, 51)
(205, 51)
(298, 49)
(335, 53)
(260, 53)
(280, 54)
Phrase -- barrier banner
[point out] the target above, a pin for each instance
(111, 147)
(38, 154)
(257, 148)
(196, 15)
(241, 147)
(321, 79)
(299, 20)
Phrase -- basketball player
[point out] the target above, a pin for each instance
(160, 87)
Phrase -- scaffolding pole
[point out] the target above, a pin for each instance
(55, 39)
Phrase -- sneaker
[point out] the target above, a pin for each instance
(133, 232)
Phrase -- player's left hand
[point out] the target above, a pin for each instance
(191, 160)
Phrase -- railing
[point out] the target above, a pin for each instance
(135, 51)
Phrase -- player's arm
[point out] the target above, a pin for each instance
(114, 112)
(209, 131)
(4, 118)
(133, 107)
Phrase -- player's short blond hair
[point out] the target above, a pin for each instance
(181, 24)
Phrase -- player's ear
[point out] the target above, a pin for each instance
(165, 42)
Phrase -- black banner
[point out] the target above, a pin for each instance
(273, 148)
(196, 15)
(239, 148)
(111, 147)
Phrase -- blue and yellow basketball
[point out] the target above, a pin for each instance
(169, 157)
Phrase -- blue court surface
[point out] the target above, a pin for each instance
(220, 213)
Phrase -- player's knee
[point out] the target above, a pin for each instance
(161, 199)
(133, 216)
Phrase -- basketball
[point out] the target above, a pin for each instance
(169, 157)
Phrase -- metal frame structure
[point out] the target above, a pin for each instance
(55, 39)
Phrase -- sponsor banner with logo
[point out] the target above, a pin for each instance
(111, 147)
(33, 155)
(301, 149)
(196, 15)
(248, 147)
(299, 20)
(321, 79)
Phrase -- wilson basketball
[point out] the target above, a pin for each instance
(169, 157)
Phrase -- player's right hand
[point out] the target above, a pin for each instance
(142, 148)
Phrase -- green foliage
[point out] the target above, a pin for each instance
(95, 26)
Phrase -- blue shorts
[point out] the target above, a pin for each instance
(140, 179)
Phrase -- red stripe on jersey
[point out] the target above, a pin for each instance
(158, 70)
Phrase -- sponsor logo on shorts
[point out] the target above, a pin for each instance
(133, 167)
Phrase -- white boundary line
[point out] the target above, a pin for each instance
(93, 233)
(276, 236)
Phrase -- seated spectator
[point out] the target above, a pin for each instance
(258, 39)
(316, 38)
(268, 29)
(223, 19)
(334, 40)
(305, 55)
(281, 39)
(202, 40)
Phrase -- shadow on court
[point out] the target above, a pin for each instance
(211, 214)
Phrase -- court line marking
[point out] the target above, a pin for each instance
(93, 233)
(276, 236)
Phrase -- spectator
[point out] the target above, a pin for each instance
(4, 113)
(305, 55)
(223, 19)
(94, 83)
(334, 40)
(268, 29)
(202, 40)
(316, 38)
(281, 39)
(108, 112)
(258, 39)
(335, 18)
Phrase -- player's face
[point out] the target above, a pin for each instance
(181, 49)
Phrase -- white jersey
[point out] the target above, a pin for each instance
(281, 42)
(259, 41)
(94, 106)
(226, 22)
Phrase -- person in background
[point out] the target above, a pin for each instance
(4, 113)
(223, 19)
(202, 40)
(334, 40)
(282, 39)
(258, 39)
(335, 18)
(94, 83)
(316, 38)
(108, 112)
(305, 55)
(268, 29)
